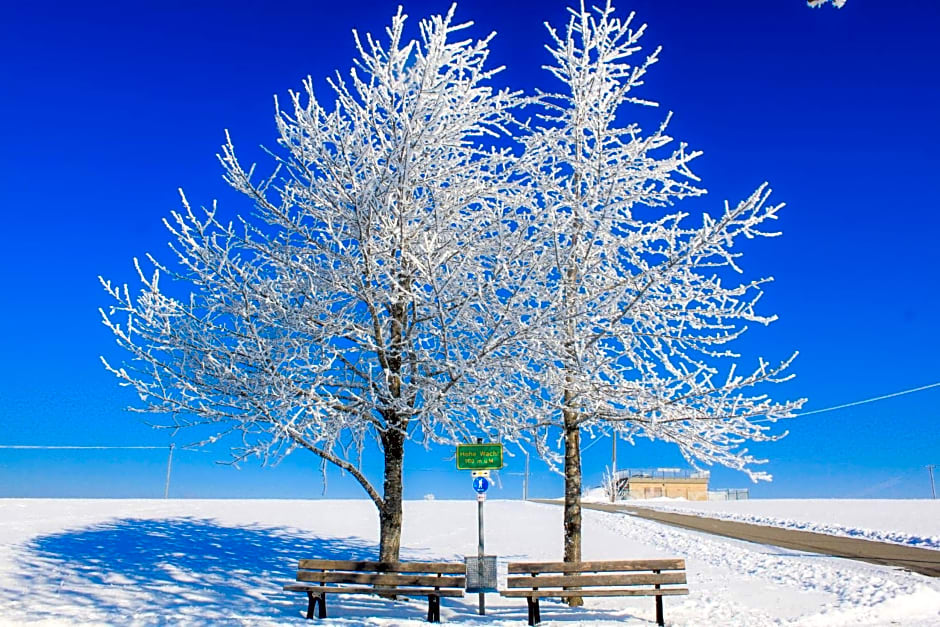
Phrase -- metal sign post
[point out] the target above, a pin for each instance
(480, 499)
(481, 484)
(480, 458)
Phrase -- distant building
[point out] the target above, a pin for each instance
(672, 483)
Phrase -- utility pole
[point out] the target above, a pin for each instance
(615, 493)
(169, 465)
(525, 480)
(933, 490)
(525, 477)
(613, 456)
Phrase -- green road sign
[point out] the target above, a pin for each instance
(479, 456)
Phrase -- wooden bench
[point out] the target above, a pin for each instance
(389, 579)
(581, 579)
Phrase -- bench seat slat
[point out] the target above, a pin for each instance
(628, 592)
(300, 587)
(303, 587)
(558, 581)
(516, 568)
(384, 567)
(388, 579)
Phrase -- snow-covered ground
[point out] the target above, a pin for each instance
(136, 562)
(910, 522)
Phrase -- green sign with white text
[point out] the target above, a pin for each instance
(479, 456)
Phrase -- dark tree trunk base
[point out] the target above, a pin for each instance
(572, 494)
(390, 513)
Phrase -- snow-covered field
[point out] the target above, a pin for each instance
(137, 562)
(910, 522)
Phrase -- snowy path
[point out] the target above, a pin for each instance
(912, 522)
(919, 560)
(222, 562)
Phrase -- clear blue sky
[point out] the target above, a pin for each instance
(107, 108)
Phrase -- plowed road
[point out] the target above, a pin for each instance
(923, 561)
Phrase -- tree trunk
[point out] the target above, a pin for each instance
(570, 415)
(390, 514)
(393, 438)
(572, 492)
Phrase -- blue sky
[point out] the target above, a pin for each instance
(108, 108)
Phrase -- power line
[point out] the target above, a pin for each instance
(592, 443)
(870, 400)
(834, 407)
(805, 413)
(31, 447)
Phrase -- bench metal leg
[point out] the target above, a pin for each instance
(434, 608)
(535, 616)
(312, 601)
(659, 603)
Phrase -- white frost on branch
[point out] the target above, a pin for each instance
(818, 3)
(644, 304)
(405, 275)
(367, 297)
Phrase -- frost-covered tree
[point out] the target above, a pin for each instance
(642, 309)
(365, 299)
(818, 3)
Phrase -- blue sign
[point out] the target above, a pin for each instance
(480, 484)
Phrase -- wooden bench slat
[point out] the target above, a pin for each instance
(389, 579)
(299, 587)
(567, 580)
(600, 566)
(629, 592)
(302, 587)
(558, 581)
(431, 580)
(384, 567)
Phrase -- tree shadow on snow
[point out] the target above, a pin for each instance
(181, 570)
(197, 571)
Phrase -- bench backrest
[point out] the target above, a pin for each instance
(432, 575)
(617, 573)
